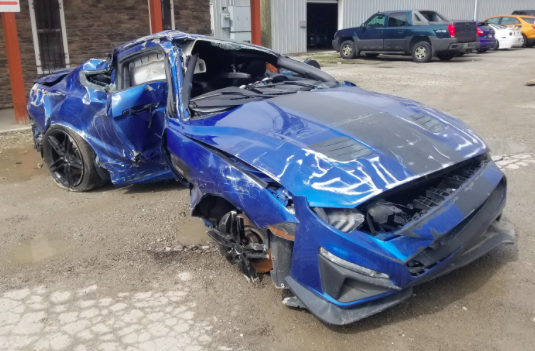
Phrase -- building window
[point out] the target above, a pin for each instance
(49, 37)
(168, 15)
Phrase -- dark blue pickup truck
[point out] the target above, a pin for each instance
(422, 34)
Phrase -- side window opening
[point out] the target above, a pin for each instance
(102, 79)
(418, 20)
(377, 21)
(398, 19)
(510, 20)
(433, 16)
(144, 69)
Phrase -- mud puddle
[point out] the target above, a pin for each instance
(192, 232)
(20, 164)
(37, 249)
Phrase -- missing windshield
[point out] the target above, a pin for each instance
(232, 76)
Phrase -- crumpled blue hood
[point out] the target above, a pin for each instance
(275, 137)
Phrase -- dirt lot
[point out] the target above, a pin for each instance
(126, 269)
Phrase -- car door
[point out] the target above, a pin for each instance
(395, 32)
(371, 36)
(493, 20)
(137, 110)
(510, 21)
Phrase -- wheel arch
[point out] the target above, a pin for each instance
(103, 172)
(211, 206)
(71, 128)
(345, 38)
(419, 38)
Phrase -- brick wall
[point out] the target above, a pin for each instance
(193, 16)
(93, 28)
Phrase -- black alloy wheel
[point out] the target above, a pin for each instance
(70, 160)
(67, 166)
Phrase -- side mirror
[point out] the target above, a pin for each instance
(363, 26)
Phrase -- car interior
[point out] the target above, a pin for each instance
(221, 68)
(228, 75)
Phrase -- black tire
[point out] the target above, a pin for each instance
(482, 51)
(371, 55)
(421, 52)
(497, 46)
(446, 57)
(460, 54)
(70, 160)
(525, 41)
(348, 50)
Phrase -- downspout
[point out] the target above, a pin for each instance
(475, 11)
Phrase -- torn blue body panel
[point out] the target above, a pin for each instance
(354, 196)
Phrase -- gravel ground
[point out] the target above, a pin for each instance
(127, 269)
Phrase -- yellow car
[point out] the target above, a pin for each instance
(526, 24)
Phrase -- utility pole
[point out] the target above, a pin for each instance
(155, 8)
(7, 9)
(256, 30)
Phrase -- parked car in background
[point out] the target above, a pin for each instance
(349, 198)
(524, 12)
(507, 37)
(486, 37)
(526, 24)
(422, 34)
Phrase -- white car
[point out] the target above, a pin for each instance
(507, 37)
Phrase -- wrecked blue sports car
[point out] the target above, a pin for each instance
(348, 198)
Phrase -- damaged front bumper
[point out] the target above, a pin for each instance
(338, 295)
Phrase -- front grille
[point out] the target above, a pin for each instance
(398, 207)
(443, 247)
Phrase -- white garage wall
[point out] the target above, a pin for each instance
(355, 12)
(286, 34)
(488, 8)
(287, 15)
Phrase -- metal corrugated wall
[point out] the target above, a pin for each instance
(287, 15)
(217, 6)
(287, 36)
(488, 8)
(354, 12)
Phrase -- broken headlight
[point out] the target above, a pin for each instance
(343, 219)
(352, 266)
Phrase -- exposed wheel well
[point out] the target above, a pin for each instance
(418, 39)
(212, 208)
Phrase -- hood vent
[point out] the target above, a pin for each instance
(341, 149)
(431, 124)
